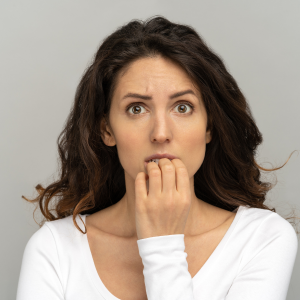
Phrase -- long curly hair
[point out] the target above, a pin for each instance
(91, 176)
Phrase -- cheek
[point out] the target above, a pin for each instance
(129, 147)
(130, 139)
(193, 138)
(194, 147)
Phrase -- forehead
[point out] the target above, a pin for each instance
(154, 75)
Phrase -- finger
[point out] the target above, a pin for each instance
(168, 175)
(182, 176)
(154, 173)
(140, 186)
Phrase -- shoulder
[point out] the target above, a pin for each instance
(266, 244)
(267, 222)
(40, 251)
(53, 233)
(66, 225)
(43, 236)
(264, 229)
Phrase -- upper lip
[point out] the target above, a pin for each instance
(158, 155)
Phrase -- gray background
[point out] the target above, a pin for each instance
(45, 48)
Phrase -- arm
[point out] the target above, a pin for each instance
(165, 268)
(40, 276)
(160, 217)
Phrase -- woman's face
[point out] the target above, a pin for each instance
(155, 122)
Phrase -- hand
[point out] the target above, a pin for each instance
(164, 210)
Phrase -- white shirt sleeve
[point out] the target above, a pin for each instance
(40, 275)
(165, 270)
(265, 276)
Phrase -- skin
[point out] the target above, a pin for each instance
(165, 208)
(153, 126)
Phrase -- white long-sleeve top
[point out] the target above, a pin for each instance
(253, 261)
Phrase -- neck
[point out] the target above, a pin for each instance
(197, 220)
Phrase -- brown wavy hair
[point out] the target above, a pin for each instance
(91, 177)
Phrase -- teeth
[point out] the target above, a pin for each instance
(156, 160)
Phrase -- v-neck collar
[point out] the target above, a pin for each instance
(104, 292)
(221, 245)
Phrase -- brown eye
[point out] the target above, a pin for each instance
(182, 109)
(135, 109)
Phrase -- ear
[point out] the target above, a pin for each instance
(106, 134)
(208, 137)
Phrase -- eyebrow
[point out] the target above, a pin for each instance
(145, 97)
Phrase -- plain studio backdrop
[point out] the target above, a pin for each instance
(47, 45)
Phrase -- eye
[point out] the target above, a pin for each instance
(134, 105)
(181, 108)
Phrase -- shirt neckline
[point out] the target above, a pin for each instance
(221, 245)
(95, 278)
(91, 268)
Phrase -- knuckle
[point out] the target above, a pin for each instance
(186, 201)
(168, 168)
(140, 208)
(182, 170)
(170, 205)
(139, 177)
(138, 182)
(154, 172)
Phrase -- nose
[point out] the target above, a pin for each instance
(161, 132)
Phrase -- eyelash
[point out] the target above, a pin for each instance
(142, 104)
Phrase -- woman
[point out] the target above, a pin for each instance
(188, 224)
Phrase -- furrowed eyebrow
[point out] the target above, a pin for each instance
(145, 97)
